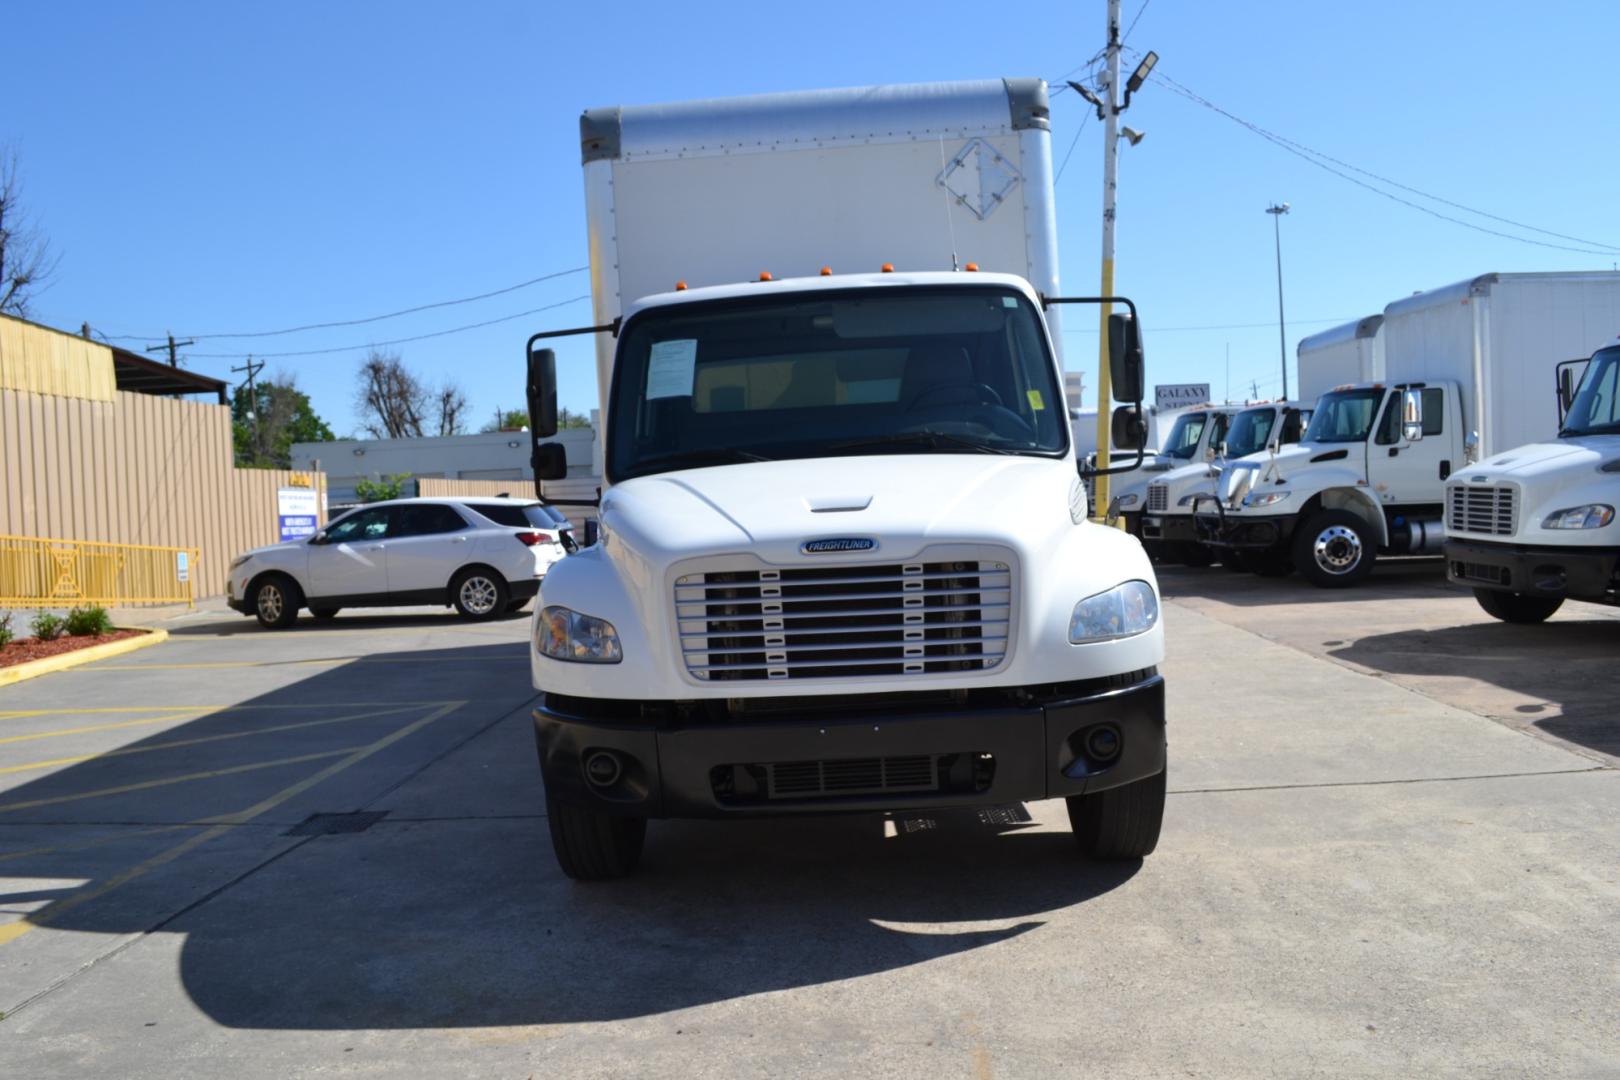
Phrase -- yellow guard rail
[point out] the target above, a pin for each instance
(63, 573)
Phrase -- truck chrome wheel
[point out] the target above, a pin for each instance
(1337, 549)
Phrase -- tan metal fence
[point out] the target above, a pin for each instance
(35, 572)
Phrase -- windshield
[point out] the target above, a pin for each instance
(892, 371)
(1250, 431)
(1344, 416)
(1185, 436)
(1596, 409)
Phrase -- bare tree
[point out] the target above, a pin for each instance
(26, 262)
(451, 406)
(391, 400)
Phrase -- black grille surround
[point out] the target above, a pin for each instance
(841, 778)
(843, 620)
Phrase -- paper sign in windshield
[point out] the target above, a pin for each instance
(670, 368)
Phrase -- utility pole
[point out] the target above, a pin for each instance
(252, 370)
(174, 359)
(1277, 210)
(1109, 107)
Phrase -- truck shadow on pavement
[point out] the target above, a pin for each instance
(1390, 579)
(1566, 666)
(450, 910)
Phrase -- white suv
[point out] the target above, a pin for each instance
(484, 557)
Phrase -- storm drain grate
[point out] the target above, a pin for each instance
(332, 824)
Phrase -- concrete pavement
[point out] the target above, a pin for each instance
(1356, 877)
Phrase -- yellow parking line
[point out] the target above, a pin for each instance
(214, 664)
(12, 714)
(122, 834)
(160, 719)
(12, 931)
(165, 781)
(125, 751)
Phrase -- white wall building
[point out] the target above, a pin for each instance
(495, 455)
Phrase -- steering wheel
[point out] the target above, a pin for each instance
(982, 393)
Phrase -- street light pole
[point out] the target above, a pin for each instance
(1277, 210)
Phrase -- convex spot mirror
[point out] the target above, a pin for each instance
(1125, 362)
(1412, 415)
(550, 461)
(1127, 429)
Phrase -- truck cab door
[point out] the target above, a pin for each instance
(1407, 472)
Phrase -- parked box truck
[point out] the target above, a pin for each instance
(1462, 365)
(1535, 525)
(845, 562)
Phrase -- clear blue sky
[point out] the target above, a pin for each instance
(209, 168)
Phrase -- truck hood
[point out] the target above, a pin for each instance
(902, 502)
(1539, 459)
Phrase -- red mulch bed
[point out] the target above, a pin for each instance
(25, 649)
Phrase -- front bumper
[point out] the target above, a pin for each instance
(1243, 531)
(234, 602)
(1578, 573)
(1169, 528)
(802, 761)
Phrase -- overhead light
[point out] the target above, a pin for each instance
(1132, 134)
(1143, 70)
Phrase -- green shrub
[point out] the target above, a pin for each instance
(47, 627)
(6, 632)
(89, 621)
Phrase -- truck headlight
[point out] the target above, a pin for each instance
(1264, 498)
(564, 634)
(1125, 502)
(1590, 516)
(1123, 611)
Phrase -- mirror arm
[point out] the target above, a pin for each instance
(605, 328)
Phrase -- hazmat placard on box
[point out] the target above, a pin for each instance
(296, 512)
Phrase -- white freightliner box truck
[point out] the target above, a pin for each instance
(1350, 353)
(1168, 529)
(1535, 525)
(1462, 365)
(844, 561)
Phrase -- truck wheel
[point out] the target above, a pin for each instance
(1120, 823)
(1334, 549)
(1516, 607)
(591, 846)
(276, 600)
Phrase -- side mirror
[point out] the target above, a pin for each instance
(593, 532)
(1412, 415)
(1566, 389)
(1125, 361)
(319, 537)
(1127, 429)
(542, 394)
(1220, 449)
(550, 461)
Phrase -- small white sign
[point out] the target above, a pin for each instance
(671, 369)
(182, 566)
(295, 512)
(1180, 395)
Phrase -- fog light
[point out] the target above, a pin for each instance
(1103, 743)
(602, 768)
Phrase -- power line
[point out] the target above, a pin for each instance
(397, 341)
(1134, 21)
(368, 319)
(1072, 144)
(1321, 160)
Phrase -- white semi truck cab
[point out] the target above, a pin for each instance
(1365, 479)
(844, 565)
(1168, 527)
(1535, 526)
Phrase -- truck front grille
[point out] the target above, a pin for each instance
(1158, 498)
(1478, 508)
(844, 621)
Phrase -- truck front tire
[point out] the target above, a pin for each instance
(1122, 822)
(592, 846)
(1334, 549)
(1517, 607)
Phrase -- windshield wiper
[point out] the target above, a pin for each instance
(932, 439)
(690, 459)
